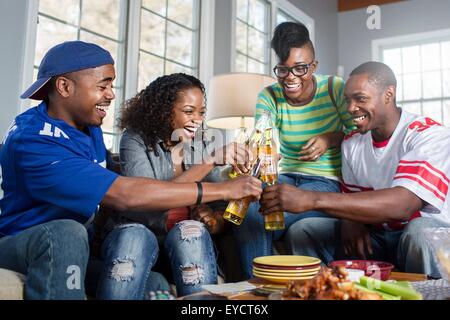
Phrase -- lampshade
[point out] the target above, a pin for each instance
(232, 99)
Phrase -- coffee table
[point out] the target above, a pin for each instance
(399, 276)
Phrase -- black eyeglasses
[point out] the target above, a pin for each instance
(298, 70)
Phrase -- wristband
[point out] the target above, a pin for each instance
(199, 192)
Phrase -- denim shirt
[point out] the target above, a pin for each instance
(138, 160)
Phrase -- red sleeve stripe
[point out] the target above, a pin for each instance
(429, 166)
(419, 181)
(353, 188)
(425, 174)
(344, 189)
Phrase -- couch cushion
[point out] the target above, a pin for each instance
(11, 285)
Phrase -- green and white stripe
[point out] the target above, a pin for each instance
(298, 124)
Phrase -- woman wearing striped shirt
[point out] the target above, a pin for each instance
(310, 114)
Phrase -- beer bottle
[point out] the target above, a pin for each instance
(237, 209)
(269, 175)
(254, 140)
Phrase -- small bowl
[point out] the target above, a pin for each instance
(376, 269)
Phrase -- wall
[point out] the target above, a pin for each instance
(222, 37)
(402, 18)
(13, 16)
(324, 13)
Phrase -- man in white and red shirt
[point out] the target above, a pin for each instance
(395, 179)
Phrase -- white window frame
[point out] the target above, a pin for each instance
(275, 5)
(131, 59)
(378, 45)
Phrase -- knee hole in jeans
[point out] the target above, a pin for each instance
(192, 274)
(190, 230)
(122, 269)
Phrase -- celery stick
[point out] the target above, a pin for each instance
(405, 284)
(384, 295)
(391, 288)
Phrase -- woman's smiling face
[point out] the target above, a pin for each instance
(301, 59)
(188, 112)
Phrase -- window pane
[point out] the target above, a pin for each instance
(445, 54)
(433, 110)
(399, 93)
(49, 34)
(446, 113)
(181, 12)
(446, 82)
(281, 18)
(412, 86)
(101, 17)
(431, 59)
(175, 68)
(150, 67)
(257, 44)
(158, 6)
(432, 85)
(109, 45)
(152, 33)
(67, 10)
(109, 120)
(255, 66)
(257, 14)
(179, 44)
(35, 73)
(109, 141)
(241, 37)
(241, 63)
(413, 107)
(411, 59)
(393, 58)
(241, 9)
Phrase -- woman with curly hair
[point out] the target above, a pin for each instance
(160, 125)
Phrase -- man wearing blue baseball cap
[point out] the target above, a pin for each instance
(54, 177)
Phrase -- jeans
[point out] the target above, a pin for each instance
(191, 255)
(52, 255)
(127, 256)
(407, 249)
(253, 240)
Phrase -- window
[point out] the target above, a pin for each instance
(421, 64)
(255, 21)
(252, 36)
(147, 39)
(99, 22)
(169, 40)
(284, 17)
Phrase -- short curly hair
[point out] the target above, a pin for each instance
(149, 113)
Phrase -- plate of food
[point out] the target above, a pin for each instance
(333, 284)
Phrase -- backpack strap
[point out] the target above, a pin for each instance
(274, 97)
(330, 91)
(272, 93)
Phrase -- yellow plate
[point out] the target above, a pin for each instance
(258, 274)
(285, 274)
(282, 279)
(286, 261)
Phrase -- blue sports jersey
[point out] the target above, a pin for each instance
(50, 171)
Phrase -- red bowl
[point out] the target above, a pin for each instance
(376, 269)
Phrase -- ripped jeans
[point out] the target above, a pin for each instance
(192, 257)
(128, 254)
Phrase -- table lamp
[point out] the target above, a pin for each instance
(232, 99)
